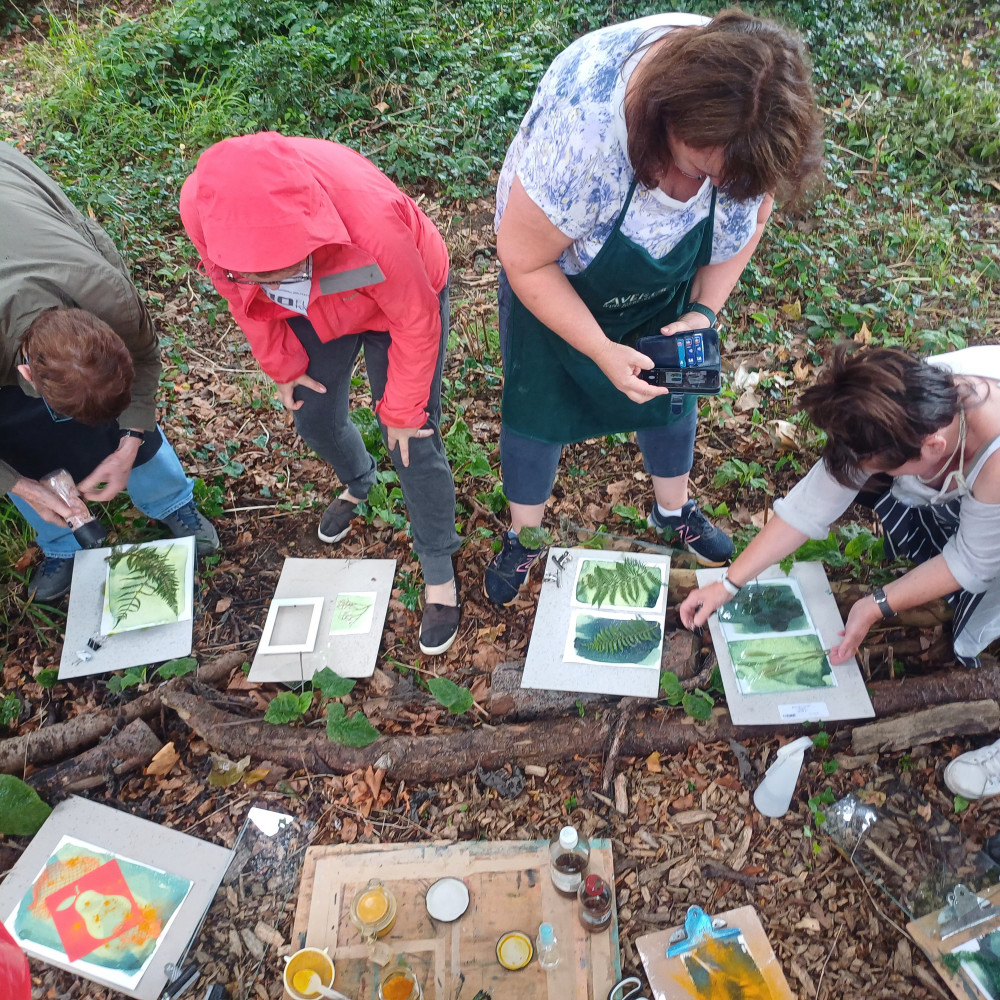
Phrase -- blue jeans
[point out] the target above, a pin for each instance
(157, 488)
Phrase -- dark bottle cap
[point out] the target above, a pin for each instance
(593, 885)
(91, 534)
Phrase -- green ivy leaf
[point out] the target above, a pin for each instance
(133, 677)
(821, 741)
(22, 812)
(355, 731)
(535, 538)
(10, 709)
(331, 685)
(671, 687)
(47, 678)
(287, 707)
(454, 698)
(178, 668)
(698, 704)
(961, 804)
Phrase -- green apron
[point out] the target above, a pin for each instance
(554, 393)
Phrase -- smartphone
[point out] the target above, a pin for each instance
(688, 362)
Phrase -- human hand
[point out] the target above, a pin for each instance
(863, 614)
(686, 323)
(286, 389)
(621, 365)
(47, 503)
(402, 435)
(702, 602)
(113, 472)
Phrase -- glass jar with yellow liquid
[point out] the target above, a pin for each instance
(399, 982)
(373, 910)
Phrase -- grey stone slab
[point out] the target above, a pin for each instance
(124, 649)
(547, 667)
(848, 700)
(350, 655)
(203, 864)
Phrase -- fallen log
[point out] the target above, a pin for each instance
(43, 746)
(927, 726)
(126, 751)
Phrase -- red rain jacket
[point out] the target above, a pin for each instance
(264, 202)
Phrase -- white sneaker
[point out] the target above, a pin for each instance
(976, 774)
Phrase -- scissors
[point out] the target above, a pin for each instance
(633, 994)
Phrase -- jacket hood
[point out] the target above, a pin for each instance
(260, 206)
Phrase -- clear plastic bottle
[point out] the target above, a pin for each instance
(569, 854)
(596, 903)
(547, 947)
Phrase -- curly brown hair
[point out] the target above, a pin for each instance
(738, 83)
(79, 365)
(878, 405)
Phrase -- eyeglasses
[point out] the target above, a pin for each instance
(304, 275)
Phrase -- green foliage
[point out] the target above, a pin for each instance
(131, 677)
(410, 590)
(821, 741)
(698, 704)
(816, 803)
(671, 687)
(46, 679)
(22, 812)
(465, 455)
(768, 607)
(10, 709)
(288, 707)
(385, 505)
(331, 684)
(148, 572)
(355, 731)
(535, 538)
(454, 698)
(632, 515)
(622, 636)
(960, 804)
(178, 668)
(746, 475)
(830, 767)
(371, 433)
(628, 581)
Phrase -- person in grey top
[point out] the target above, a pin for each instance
(928, 433)
(79, 372)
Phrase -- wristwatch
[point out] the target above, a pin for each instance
(731, 588)
(697, 307)
(882, 602)
(128, 432)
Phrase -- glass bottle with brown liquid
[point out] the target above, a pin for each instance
(596, 904)
(569, 854)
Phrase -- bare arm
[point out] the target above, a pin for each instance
(529, 246)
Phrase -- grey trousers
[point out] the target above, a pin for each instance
(324, 423)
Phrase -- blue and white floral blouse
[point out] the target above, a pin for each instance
(571, 155)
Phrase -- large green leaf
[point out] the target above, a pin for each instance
(331, 685)
(698, 704)
(355, 731)
(178, 668)
(22, 812)
(287, 707)
(454, 698)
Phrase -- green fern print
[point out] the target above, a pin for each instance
(628, 583)
(615, 640)
(147, 572)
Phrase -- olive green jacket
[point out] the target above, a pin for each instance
(51, 255)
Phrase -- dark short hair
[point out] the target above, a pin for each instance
(79, 365)
(738, 83)
(878, 405)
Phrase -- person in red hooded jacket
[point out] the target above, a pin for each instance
(320, 255)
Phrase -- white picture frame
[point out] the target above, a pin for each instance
(266, 647)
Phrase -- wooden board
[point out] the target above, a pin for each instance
(925, 934)
(660, 970)
(510, 889)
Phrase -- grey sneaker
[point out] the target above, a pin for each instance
(975, 774)
(51, 580)
(188, 520)
(709, 545)
(438, 628)
(336, 520)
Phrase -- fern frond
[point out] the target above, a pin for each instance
(147, 572)
(628, 582)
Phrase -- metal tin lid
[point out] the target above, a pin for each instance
(514, 950)
(593, 885)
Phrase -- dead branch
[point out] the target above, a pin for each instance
(927, 726)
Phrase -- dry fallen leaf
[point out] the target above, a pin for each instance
(864, 335)
(801, 370)
(653, 763)
(808, 924)
(223, 605)
(793, 310)
(783, 434)
(163, 761)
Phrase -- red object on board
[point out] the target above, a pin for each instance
(15, 980)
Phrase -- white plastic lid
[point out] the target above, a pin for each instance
(568, 838)
(545, 933)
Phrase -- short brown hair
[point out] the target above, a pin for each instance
(738, 83)
(878, 405)
(79, 365)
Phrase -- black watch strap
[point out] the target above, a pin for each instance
(128, 432)
(878, 594)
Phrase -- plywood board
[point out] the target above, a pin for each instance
(347, 653)
(845, 698)
(553, 663)
(662, 971)
(962, 982)
(510, 889)
(184, 857)
(124, 649)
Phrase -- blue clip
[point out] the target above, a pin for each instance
(698, 927)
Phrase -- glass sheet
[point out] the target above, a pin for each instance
(905, 847)
(253, 909)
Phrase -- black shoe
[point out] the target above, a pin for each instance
(438, 628)
(508, 570)
(336, 520)
(188, 520)
(709, 545)
(51, 580)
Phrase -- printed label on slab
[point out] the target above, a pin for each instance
(804, 710)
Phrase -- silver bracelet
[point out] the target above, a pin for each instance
(731, 587)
